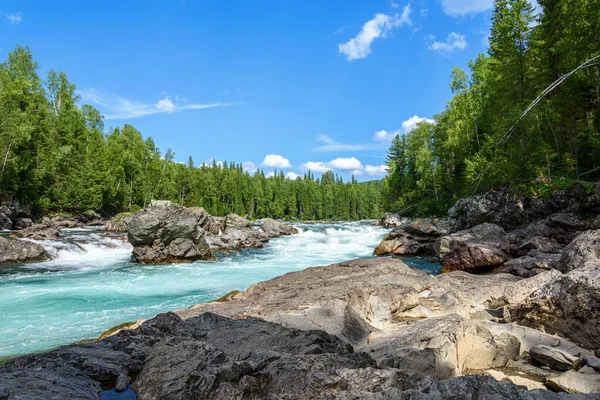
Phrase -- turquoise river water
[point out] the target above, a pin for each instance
(90, 284)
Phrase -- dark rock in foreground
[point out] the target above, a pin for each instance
(212, 357)
(19, 251)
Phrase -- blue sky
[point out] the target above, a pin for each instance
(292, 84)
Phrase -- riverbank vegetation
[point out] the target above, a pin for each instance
(57, 156)
(480, 142)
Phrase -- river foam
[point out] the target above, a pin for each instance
(91, 285)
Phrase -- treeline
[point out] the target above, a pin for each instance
(473, 146)
(56, 156)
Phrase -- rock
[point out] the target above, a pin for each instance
(122, 382)
(18, 251)
(592, 361)
(553, 357)
(400, 242)
(497, 207)
(89, 216)
(582, 252)
(561, 227)
(482, 247)
(236, 233)
(568, 305)
(6, 222)
(235, 221)
(392, 220)
(574, 382)
(117, 223)
(539, 244)
(168, 232)
(424, 227)
(22, 223)
(597, 353)
(497, 375)
(525, 383)
(275, 228)
(531, 265)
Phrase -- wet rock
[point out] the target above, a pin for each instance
(18, 251)
(122, 382)
(575, 382)
(553, 357)
(275, 228)
(582, 252)
(400, 242)
(238, 233)
(482, 247)
(168, 232)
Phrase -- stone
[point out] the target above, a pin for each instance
(168, 232)
(525, 383)
(583, 251)
(235, 221)
(122, 382)
(531, 265)
(400, 242)
(6, 222)
(42, 231)
(275, 228)
(568, 305)
(392, 220)
(22, 223)
(553, 357)
(19, 251)
(592, 361)
(482, 247)
(574, 382)
(539, 244)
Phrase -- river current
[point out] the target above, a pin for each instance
(90, 284)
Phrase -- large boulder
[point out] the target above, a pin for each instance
(274, 228)
(582, 252)
(498, 207)
(531, 264)
(168, 232)
(401, 243)
(393, 220)
(560, 227)
(19, 251)
(6, 222)
(480, 248)
(568, 305)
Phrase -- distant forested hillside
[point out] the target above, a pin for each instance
(57, 156)
(473, 145)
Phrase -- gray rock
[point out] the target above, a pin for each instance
(531, 265)
(498, 207)
(18, 251)
(582, 252)
(574, 382)
(22, 223)
(275, 228)
(392, 220)
(400, 242)
(482, 247)
(539, 244)
(235, 221)
(553, 357)
(6, 222)
(592, 361)
(168, 232)
(122, 382)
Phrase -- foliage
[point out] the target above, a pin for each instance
(471, 148)
(57, 156)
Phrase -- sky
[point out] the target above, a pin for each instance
(290, 85)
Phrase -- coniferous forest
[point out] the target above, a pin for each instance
(58, 156)
(476, 143)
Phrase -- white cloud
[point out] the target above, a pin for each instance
(332, 145)
(395, 5)
(453, 42)
(276, 161)
(270, 174)
(378, 170)
(117, 107)
(15, 18)
(346, 164)
(249, 167)
(292, 176)
(318, 167)
(385, 136)
(413, 121)
(458, 8)
(378, 27)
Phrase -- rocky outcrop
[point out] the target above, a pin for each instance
(582, 252)
(212, 357)
(530, 265)
(413, 237)
(393, 220)
(274, 228)
(479, 248)
(14, 215)
(168, 232)
(20, 251)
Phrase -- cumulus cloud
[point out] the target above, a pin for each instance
(14, 18)
(292, 176)
(249, 167)
(413, 121)
(346, 164)
(375, 170)
(378, 27)
(276, 161)
(270, 174)
(385, 136)
(318, 166)
(453, 42)
(457, 8)
(117, 107)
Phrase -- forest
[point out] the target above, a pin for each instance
(58, 157)
(479, 141)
